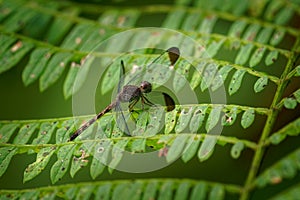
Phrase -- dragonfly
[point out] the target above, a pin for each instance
(132, 94)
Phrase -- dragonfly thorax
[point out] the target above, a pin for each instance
(129, 93)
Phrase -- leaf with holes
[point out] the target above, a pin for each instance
(42, 159)
(198, 118)
(248, 118)
(260, 84)
(183, 119)
(60, 167)
(236, 81)
(6, 154)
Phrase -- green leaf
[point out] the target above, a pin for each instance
(141, 124)
(229, 117)
(182, 191)
(42, 159)
(208, 24)
(156, 121)
(60, 26)
(150, 190)
(30, 195)
(199, 192)
(60, 167)
(135, 190)
(284, 15)
(207, 147)
(257, 56)
(247, 118)
(9, 7)
(244, 54)
(197, 75)
(70, 80)
(80, 161)
(159, 76)
(112, 74)
(103, 192)
(260, 84)
(183, 119)
(181, 75)
(190, 148)
(290, 193)
(170, 120)
(17, 20)
(264, 35)
(36, 65)
(271, 57)
(217, 192)
(37, 24)
(62, 134)
(277, 37)
(221, 77)
(25, 133)
(6, 42)
(297, 71)
(176, 148)
(6, 132)
(173, 19)
(236, 81)
(6, 154)
(120, 191)
(285, 168)
(291, 129)
(85, 192)
(12, 56)
(213, 118)
(78, 34)
(191, 21)
(297, 95)
(197, 118)
(128, 17)
(208, 76)
(102, 151)
(251, 32)
(236, 150)
(138, 145)
(290, 103)
(117, 154)
(214, 47)
(271, 9)
(237, 28)
(54, 69)
(45, 133)
(165, 191)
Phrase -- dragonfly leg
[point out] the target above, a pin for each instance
(147, 102)
(132, 104)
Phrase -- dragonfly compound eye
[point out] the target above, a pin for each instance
(146, 87)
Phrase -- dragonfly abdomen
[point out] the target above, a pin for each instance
(91, 121)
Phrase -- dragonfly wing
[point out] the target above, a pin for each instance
(169, 101)
(123, 119)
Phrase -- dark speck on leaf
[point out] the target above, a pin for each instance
(45, 154)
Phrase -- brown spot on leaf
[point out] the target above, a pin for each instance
(16, 46)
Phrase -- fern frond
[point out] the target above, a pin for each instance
(137, 189)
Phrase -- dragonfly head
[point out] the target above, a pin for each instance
(145, 87)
